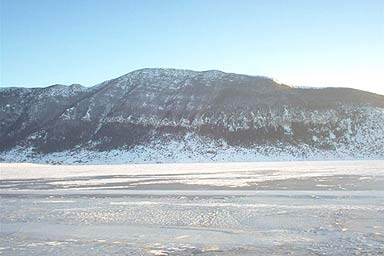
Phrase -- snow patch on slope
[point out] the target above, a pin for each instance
(189, 150)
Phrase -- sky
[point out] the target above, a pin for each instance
(301, 43)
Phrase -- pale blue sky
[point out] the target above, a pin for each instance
(317, 43)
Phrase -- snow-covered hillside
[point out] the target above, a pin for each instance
(169, 115)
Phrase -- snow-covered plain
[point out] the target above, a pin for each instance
(260, 208)
(206, 174)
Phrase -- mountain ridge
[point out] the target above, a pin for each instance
(148, 107)
(192, 71)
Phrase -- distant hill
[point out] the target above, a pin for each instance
(166, 115)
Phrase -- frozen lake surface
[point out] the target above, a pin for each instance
(298, 208)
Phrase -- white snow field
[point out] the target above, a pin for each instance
(263, 208)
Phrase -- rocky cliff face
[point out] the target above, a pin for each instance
(150, 108)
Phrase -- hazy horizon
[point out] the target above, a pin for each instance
(300, 43)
